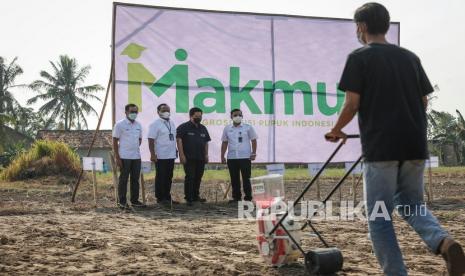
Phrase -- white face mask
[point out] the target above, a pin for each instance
(132, 116)
(164, 115)
(237, 119)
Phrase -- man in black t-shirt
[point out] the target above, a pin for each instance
(192, 138)
(387, 86)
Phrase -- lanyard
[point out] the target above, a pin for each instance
(168, 125)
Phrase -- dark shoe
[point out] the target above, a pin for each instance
(247, 198)
(233, 201)
(138, 204)
(201, 200)
(453, 254)
(124, 206)
(163, 202)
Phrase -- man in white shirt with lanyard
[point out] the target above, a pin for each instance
(241, 142)
(162, 145)
(127, 137)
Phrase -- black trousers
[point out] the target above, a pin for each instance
(193, 170)
(131, 168)
(238, 167)
(163, 179)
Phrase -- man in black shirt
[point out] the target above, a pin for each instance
(192, 138)
(388, 88)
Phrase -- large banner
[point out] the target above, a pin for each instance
(281, 71)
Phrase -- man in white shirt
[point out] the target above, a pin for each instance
(127, 137)
(241, 142)
(162, 145)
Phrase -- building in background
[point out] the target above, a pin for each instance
(80, 141)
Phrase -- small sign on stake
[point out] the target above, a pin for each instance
(92, 164)
(275, 169)
(314, 168)
(146, 167)
(357, 170)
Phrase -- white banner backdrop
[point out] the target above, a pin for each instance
(281, 71)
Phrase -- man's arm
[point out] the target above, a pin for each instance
(350, 108)
(116, 151)
(254, 149)
(425, 102)
(224, 146)
(153, 156)
(182, 157)
(206, 152)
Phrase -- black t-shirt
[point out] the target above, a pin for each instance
(392, 118)
(194, 138)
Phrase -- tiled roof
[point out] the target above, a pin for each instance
(78, 138)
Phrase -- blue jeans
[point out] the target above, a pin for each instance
(395, 184)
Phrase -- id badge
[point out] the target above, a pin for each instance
(171, 137)
(240, 139)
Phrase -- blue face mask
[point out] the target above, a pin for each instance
(132, 116)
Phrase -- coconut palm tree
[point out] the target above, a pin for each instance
(64, 93)
(8, 74)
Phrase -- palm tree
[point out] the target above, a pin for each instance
(8, 74)
(66, 98)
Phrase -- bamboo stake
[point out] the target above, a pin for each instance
(114, 170)
(78, 181)
(318, 193)
(226, 190)
(430, 183)
(142, 186)
(94, 183)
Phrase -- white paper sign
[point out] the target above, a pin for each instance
(314, 168)
(432, 162)
(357, 170)
(258, 188)
(275, 169)
(92, 163)
(146, 167)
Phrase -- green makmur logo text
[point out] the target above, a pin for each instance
(178, 77)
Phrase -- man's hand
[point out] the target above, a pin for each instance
(182, 158)
(206, 159)
(223, 160)
(153, 158)
(334, 135)
(119, 162)
(253, 156)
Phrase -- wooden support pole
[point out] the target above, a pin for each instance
(94, 183)
(430, 184)
(114, 171)
(354, 189)
(226, 190)
(78, 181)
(142, 186)
(318, 191)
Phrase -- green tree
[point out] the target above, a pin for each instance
(8, 74)
(445, 129)
(64, 93)
(29, 122)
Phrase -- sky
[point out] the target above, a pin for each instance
(38, 31)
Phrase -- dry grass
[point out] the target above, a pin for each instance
(42, 159)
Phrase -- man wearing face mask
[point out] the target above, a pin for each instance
(192, 138)
(162, 146)
(241, 142)
(127, 137)
(387, 86)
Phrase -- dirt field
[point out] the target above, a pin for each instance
(42, 233)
